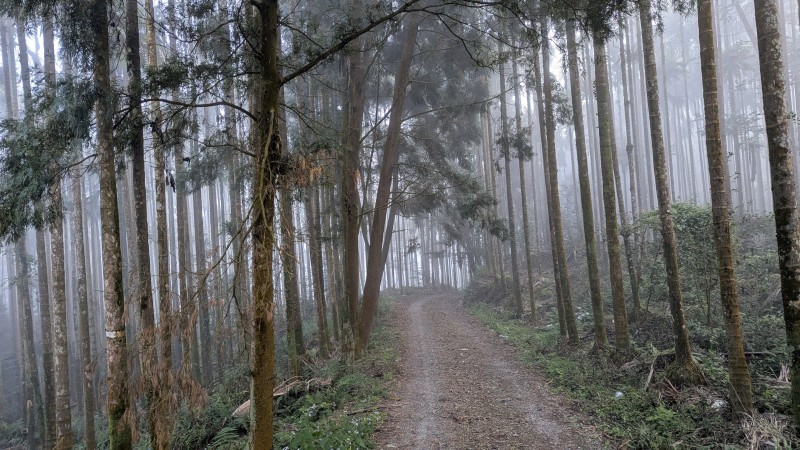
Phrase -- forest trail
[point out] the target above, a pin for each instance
(462, 387)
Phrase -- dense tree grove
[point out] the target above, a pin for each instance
(204, 204)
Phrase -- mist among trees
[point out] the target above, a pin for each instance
(257, 224)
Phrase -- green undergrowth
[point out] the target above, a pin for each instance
(334, 407)
(613, 394)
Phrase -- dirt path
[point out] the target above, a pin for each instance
(462, 388)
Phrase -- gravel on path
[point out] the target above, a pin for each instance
(462, 387)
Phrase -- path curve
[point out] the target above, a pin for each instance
(462, 387)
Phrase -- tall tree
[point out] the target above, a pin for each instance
(512, 228)
(683, 370)
(148, 357)
(90, 439)
(268, 152)
(784, 190)
(158, 426)
(33, 408)
(376, 262)
(622, 336)
(554, 202)
(117, 399)
(521, 141)
(742, 396)
(600, 337)
(63, 412)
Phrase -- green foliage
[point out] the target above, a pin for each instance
(613, 395)
(36, 152)
(11, 434)
(198, 429)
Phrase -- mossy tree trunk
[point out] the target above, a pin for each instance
(554, 205)
(684, 371)
(742, 396)
(622, 336)
(512, 229)
(595, 290)
(784, 191)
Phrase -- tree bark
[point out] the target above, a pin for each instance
(268, 153)
(684, 371)
(512, 228)
(159, 426)
(87, 371)
(520, 138)
(312, 205)
(742, 396)
(623, 339)
(116, 346)
(352, 117)
(144, 292)
(60, 347)
(595, 290)
(33, 408)
(555, 202)
(202, 286)
(784, 191)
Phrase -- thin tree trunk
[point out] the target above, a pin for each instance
(742, 396)
(159, 427)
(520, 138)
(633, 266)
(202, 286)
(33, 397)
(554, 205)
(595, 290)
(316, 271)
(60, 346)
(83, 308)
(375, 260)
(784, 191)
(622, 337)
(684, 371)
(352, 117)
(294, 322)
(148, 356)
(512, 228)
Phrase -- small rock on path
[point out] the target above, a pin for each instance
(463, 388)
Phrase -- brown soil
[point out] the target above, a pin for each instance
(462, 387)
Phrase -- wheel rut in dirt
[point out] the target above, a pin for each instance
(462, 387)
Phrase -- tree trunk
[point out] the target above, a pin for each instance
(684, 371)
(784, 191)
(34, 411)
(512, 228)
(159, 425)
(633, 266)
(83, 308)
(312, 205)
(116, 346)
(268, 153)
(352, 117)
(60, 348)
(742, 396)
(202, 286)
(623, 339)
(520, 138)
(148, 357)
(595, 290)
(554, 205)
